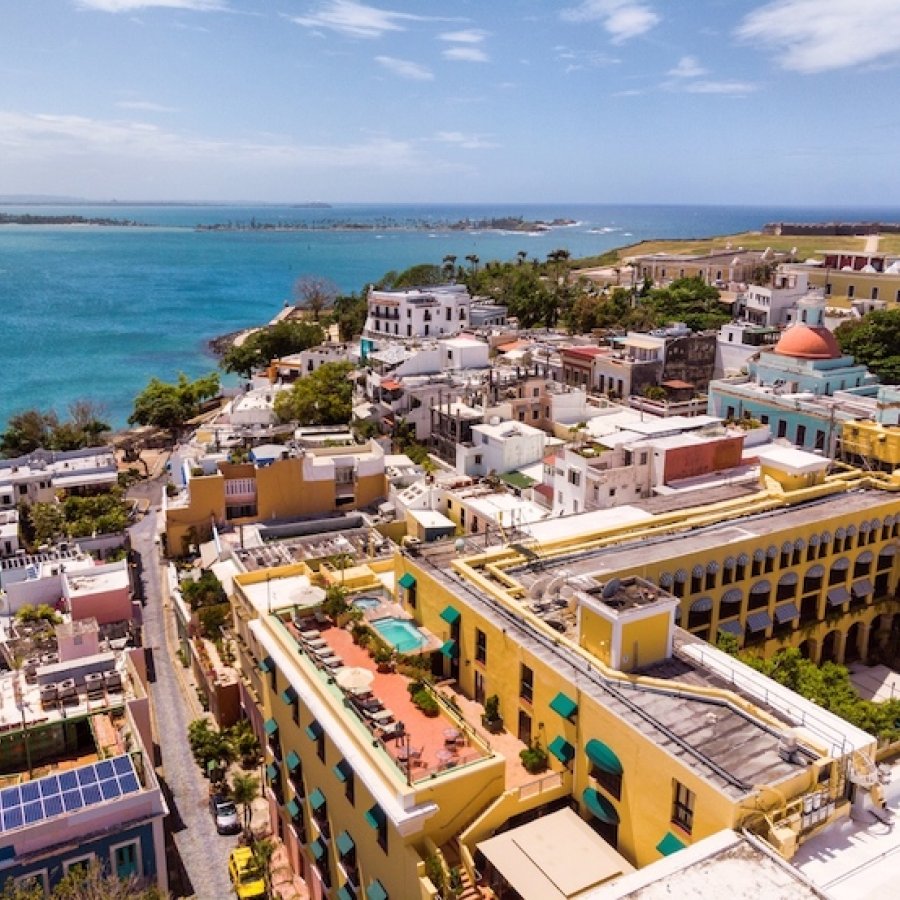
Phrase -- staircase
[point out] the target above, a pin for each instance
(467, 889)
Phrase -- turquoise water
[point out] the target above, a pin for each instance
(401, 634)
(94, 312)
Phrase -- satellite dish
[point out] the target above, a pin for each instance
(611, 588)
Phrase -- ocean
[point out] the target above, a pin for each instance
(93, 312)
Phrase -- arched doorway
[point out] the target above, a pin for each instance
(851, 644)
(829, 647)
(804, 649)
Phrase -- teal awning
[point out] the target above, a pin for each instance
(564, 706)
(344, 843)
(602, 757)
(293, 761)
(318, 848)
(375, 817)
(450, 615)
(273, 773)
(450, 649)
(600, 806)
(289, 695)
(407, 581)
(346, 893)
(271, 726)
(293, 809)
(316, 799)
(670, 844)
(342, 770)
(562, 749)
(266, 665)
(376, 891)
(314, 730)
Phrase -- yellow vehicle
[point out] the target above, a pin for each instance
(246, 876)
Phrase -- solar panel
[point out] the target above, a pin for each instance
(55, 795)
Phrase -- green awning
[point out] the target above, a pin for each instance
(293, 809)
(600, 806)
(562, 749)
(602, 757)
(271, 726)
(346, 893)
(375, 817)
(273, 773)
(289, 695)
(316, 799)
(450, 615)
(407, 581)
(266, 665)
(344, 843)
(318, 848)
(450, 649)
(376, 891)
(564, 706)
(670, 844)
(314, 730)
(342, 770)
(293, 761)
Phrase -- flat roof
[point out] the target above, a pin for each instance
(555, 857)
(282, 592)
(585, 523)
(430, 518)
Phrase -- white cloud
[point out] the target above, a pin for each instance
(465, 54)
(118, 6)
(736, 88)
(623, 19)
(356, 19)
(688, 67)
(812, 36)
(404, 68)
(465, 141)
(467, 36)
(145, 106)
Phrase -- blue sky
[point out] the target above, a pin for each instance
(672, 101)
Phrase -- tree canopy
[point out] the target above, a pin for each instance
(167, 405)
(33, 429)
(874, 341)
(91, 882)
(324, 397)
(349, 312)
(271, 342)
(314, 293)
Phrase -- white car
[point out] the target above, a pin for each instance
(225, 813)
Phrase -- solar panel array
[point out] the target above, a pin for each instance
(67, 792)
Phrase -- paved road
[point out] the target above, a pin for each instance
(203, 866)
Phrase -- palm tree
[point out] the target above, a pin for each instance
(473, 260)
(449, 267)
(522, 255)
(244, 790)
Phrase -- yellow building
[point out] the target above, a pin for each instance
(871, 444)
(574, 641)
(316, 481)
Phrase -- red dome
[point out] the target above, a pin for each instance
(803, 342)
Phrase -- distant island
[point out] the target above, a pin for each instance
(32, 219)
(502, 223)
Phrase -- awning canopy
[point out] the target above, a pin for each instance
(600, 807)
(314, 730)
(704, 604)
(563, 705)
(293, 761)
(344, 843)
(289, 695)
(761, 587)
(838, 595)
(732, 627)
(318, 848)
(343, 770)
(376, 891)
(316, 799)
(862, 588)
(450, 649)
(787, 612)
(840, 564)
(562, 749)
(266, 664)
(273, 773)
(788, 579)
(733, 595)
(670, 844)
(450, 615)
(293, 809)
(345, 892)
(375, 817)
(270, 726)
(407, 581)
(816, 571)
(758, 621)
(602, 757)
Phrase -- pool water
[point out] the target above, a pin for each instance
(401, 634)
(367, 602)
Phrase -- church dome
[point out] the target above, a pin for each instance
(803, 342)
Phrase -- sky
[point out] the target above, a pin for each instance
(643, 101)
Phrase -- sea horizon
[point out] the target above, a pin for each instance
(94, 311)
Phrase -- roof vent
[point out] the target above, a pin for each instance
(611, 588)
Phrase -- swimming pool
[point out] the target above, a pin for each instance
(401, 634)
(367, 602)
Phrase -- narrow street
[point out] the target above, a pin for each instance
(199, 866)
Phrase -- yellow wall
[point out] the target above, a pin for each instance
(873, 441)
(645, 641)
(596, 635)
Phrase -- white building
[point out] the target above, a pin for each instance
(9, 532)
(770, 304)
(500, 447)
(37, 476)
(417, 312)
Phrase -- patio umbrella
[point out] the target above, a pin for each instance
(354, 678)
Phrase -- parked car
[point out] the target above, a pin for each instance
(225, 813)
(245, 874)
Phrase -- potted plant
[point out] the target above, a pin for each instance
(534, 758)
(383, 659)
(491, 719)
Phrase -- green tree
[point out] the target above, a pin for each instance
(28, 431)
(874, 341)
(47, 522)
(244, 790)
(207, 590)
(349, 312)
(167, 405)
(314, 293)
(324, 397)
(272, 342)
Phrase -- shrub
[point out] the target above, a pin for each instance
(425, 702)
(492, 708)
(534, 758)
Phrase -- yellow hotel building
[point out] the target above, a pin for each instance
(654, 738)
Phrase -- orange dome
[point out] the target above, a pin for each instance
(803, 342)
